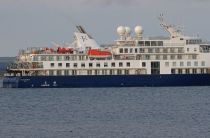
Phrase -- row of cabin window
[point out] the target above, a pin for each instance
(91, 64)
(181, 64)
(189, 71)
(193, 41)
(58, 58)
(90, 72)
(164, 57)
(151, 50)
(150, 43)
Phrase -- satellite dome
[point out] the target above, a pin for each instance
(127, 30)
(121, 30)
(138, 30)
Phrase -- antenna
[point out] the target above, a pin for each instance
(173, 30)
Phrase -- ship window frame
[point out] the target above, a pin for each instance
(143, 64)
(196, 63)
(153, 43)
(147, 43)
(125, 50)
(119, 72)
(52, 64)
(98, 65)
(90, 65)
(160, 43)
(121, 50)
(105, 64)
(128, 64)
(59, 72)
(165, 57)
(67, 65)
(167, 64)
(75, 65)
(82, 65)
(127, 72)
(60, 64)
(187, 71)
(120, 64)
(113, 64)
(174, 64)
(66, 72)
(173, 71)
(136, 50)
(194, 71)
(141, 43)
(181, 64)
(203, 63)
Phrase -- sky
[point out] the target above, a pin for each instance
(40, 23)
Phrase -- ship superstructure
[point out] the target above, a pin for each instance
(129, 61)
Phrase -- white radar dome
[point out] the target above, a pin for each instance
(121, 30)
(138, 30)
(127, 30)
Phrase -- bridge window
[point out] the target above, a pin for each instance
(121, 50)
(143, 64)
(120, 64)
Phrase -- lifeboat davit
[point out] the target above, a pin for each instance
(99, 53)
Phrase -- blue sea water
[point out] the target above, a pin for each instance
(182, 112)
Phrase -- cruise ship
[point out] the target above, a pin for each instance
(131, 61)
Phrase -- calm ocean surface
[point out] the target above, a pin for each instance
(174, 112)
(182, 112)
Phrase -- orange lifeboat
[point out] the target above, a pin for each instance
(64, 50)
(99, 53)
